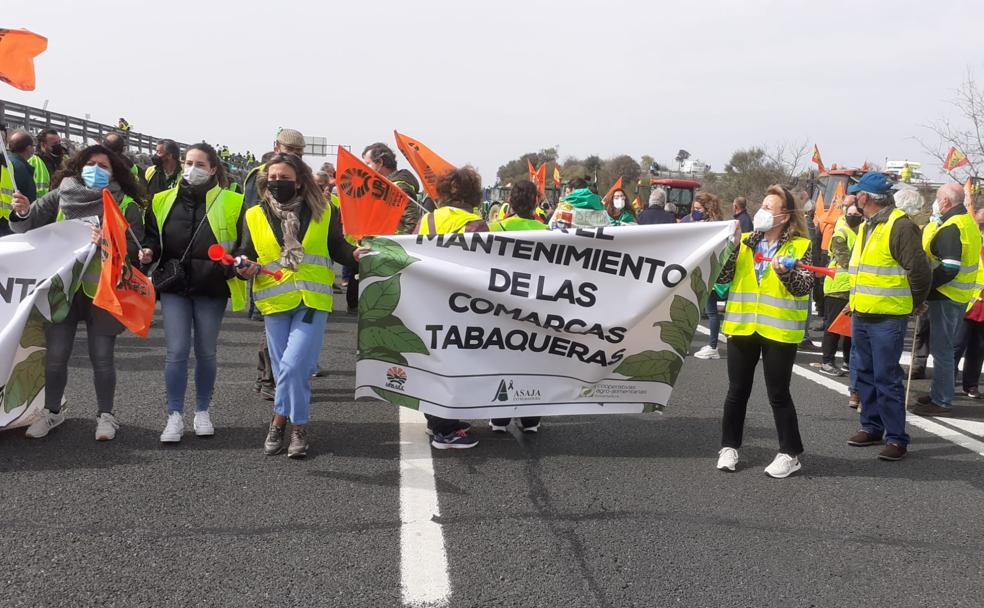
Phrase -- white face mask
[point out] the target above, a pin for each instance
(763, 221)
(618, 202)
(936, 208)
(196, 176)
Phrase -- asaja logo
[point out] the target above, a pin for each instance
(507, 391)
(396, 378)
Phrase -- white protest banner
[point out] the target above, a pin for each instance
(534, 323)
(38, 271)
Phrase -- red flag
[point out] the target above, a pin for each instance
(616, 186)
(370, 203)
(541, 180)
(955, 159)
(18, 48)
(556, 176)
(816, 159)
(123, 291)
(428, 165)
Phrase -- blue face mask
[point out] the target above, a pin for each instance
(95, 177)
(697, 215)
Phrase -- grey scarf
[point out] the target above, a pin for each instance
(292, 253)
(76, 200)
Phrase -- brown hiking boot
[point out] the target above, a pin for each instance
(861, 439)
(930, 409)
(298, 442)
(274, 443)
(892, 452)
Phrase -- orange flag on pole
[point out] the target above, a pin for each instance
(819, 213)
(556, 176)
(541, 179)
(428, 165)
(531, 170)
(616, 186)
(955, 159)
(831, 215)
(123, 291)
(18, 48)
(817, 160)
(370, 203)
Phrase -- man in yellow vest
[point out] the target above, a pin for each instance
(954, 250)
(165, 173)
(889, 280)
(47, 159)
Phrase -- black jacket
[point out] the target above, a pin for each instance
(656, 215)
(203, 277)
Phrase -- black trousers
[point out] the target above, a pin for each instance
(973, 355)
(352, 291)
(744, 353)
(832, 306)
(441, 426)
(526, 421)
(822, 258)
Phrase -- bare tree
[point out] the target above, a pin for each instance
(787, 158)
(966, 133)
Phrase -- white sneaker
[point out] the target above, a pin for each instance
(174, 428)
(203, 424)
(727, 459)
(708, 353)
(43, 425)
(783, 466)
(106, 427)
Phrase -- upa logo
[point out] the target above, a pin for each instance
(507, 391)
(354, 182)
(396, 378)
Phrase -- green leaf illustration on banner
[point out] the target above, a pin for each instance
(389, 333)
(390, 259)
(34, 329)
(378, 300)
(76, 277)
(684, 313)
(383, 354)
(675, 336)
(25, 382)
(57, 299)
(650, 365)
(649, 408)
(700, 289)
(397, 398)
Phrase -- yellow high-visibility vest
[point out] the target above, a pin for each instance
(961, 288)
(42, 179)
(879, 286)
(841, 281)
(6, 192)
(447, 220)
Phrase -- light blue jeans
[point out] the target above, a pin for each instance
(294, 338)
(184, 316)
(945, 317)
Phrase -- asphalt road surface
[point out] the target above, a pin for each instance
(592, 512)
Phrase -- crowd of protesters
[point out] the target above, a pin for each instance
(284, 220)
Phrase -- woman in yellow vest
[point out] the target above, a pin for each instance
(294, 230)
(836, 290)
(182, 223)
(78, 194)
(459, 192)
(523, 203)
(764, 319)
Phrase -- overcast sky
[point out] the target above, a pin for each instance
(483, 82)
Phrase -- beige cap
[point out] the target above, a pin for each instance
(290, 137)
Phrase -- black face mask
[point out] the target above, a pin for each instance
(853, 220)
(156, 159)
(57, 151)
(283, 190)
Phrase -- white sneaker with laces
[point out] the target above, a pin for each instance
(783, 466)
(707, 352)
(174, 428)
(727, 459)
(106, 427)
(203, 424)
(44, 424)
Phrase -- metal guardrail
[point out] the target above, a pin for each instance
(79, 130)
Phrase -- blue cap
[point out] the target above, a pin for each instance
(872, 182)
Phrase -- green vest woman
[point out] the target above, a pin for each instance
(78, 194)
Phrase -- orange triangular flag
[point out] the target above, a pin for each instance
(841, 325)
(817, 160)
(819, 213)
(532, 171)
(616, 186)
(18, 48)
(541, 179)
(370, 203)
(123, 291)
(428, 165)
(833, 213)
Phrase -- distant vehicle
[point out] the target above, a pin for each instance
(680, 192)
(895, 168)
(827, 183)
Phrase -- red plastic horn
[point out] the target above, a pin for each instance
(217, 253)
(828, 272)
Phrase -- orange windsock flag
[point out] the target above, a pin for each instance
(18, 48)
(616, 186)
(370, 203)
(123, 291)
(428, 165)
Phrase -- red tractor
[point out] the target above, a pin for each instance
(680, 192)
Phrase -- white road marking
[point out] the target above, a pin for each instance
(921, 422)
(424, 577)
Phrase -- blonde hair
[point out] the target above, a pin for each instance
(797, 221)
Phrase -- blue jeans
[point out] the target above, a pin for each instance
(852, 384)
(294, 338)
(945, 317)
(184, 315)
(877, 348)
(713, 318)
